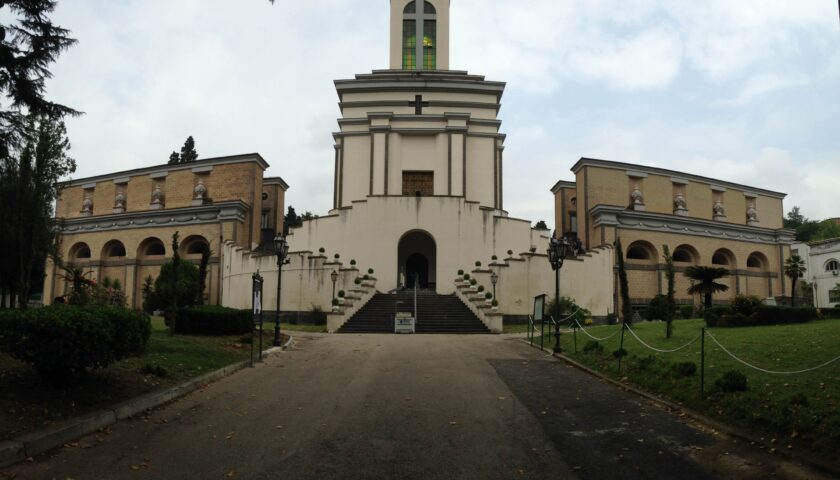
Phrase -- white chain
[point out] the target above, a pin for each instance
(765, 370)
(594, 337)
(659, 349)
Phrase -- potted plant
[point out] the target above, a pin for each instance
(480, 288)
(357, 281)
(341, 294)
(366, 277)
(473, 282)
(494, 258)
(370, 271)
(510, 252)
(467, 277)
(495, 305)
(488, 298)
(335, 306)
(336, 256)
(322, 250)
(353, 262)
(477, 264)
(533, 249)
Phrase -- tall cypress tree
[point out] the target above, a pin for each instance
(624, 289)
(188, 153)
(671, 307)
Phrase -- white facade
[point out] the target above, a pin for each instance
(822, 260)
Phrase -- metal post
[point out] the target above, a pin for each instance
(702, 360)
(261, 331)
(277, 316)
(416, 281)
(621, 345)
(542, 331)
(557, 348)
(574, 332)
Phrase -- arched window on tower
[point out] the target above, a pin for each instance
(419, 37)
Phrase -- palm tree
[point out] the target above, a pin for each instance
(795, 269)
(705, 278)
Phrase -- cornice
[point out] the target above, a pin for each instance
(214, 213)
(276, 181)
(159, 171)
(562, 184)
(608, 215)
(681, 176)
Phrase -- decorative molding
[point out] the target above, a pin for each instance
(89, 186)
(679, 180)
(636, 174)
(158, 218)
(718, 188)
(204, 169)
(159, 175)
(122, 180)
(606, 215)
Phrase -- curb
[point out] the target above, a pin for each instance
(35, 443)
(700, 418)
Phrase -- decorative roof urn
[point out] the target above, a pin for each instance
(200, 194)
(119, 202)
(157, 198)
(680, 205)
(719, 212)
(87, 206)
(638, 199)
(752, 216)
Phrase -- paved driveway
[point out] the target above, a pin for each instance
(408, 407)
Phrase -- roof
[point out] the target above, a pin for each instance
(276, 181)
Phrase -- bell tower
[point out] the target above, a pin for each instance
(419, 35)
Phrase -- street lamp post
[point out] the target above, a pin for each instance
(494, 278)
(334, 277)
(557, 250)
(281, 248)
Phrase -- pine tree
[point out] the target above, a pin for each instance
(174, 158)
(202, 274)
(624, 289)
(188, 153)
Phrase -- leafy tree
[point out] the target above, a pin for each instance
(291, 220)
(174, 158)
(307, 216)
(541, 225)
(825, 230)
(624, 289)
(149, 300)
(29, 44)
(188, 153)
(806, 229)
(202, 274)
(177, 285)
(794, 269)
(29, 185)
(670, 305)
(706, 284)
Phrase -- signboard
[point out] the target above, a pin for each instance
(404, 323)
(539, 308)
(256, 309)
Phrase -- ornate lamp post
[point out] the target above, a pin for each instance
(281, 248)
(334, 277)
(494, 278)
(557, 250)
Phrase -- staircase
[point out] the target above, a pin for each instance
(436, 314)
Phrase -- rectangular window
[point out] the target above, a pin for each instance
(264, 221)
(573, 222)
(409, 44)
(429, 45)
(420, 184)
(834, 296)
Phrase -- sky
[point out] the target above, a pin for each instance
(744, 91)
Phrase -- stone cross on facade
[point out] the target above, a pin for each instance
(418, 104)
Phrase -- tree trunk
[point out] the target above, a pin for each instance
(793, 292)
(708, 296)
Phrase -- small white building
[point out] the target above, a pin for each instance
(823, 262)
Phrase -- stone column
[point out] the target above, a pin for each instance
(131, 290)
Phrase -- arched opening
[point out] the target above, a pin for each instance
(80, 251)
(194, 246)
(151, 248)
(723, 257)
(641, 252)
(419, 36)
(113, 250)
(832, 266)
(686, 254)
(417, 259)
(757, 261)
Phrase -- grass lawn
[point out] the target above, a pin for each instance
(298, 328)
(515, 328)
(27, 404)
(794, 411)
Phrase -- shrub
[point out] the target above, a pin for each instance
(357, 281)
(593, 346)
(533, 249)
(732, 381)
(370, 271)
(366, 277)
(460, 273)
(830, 312)
(767, 315)
(336, 256)
(477, 264)
(473, 281)
(494, 303)
(341, 294)
(713, 315)
(335, 302)
(746, 304)
(488, 296)
(643, 363)
(685, 369)
(687, 311)
(494, 258)
(620, 353)
(61, 341)
(510, 252)
(466, 276)
(213, 320)
(322, 250)
(157, 370)
(481, 288)
(657, 309)
(353, 262)
(567, 307)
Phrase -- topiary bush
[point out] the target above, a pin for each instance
(593, 346)
(731, 381)
(510, 252)
(370, 271)
(657, 309)
(830, 312)
(481, 288)
(687, 311)
(213, 320)
(460, 273)
(62, 341)
(341, 294)
(684, 369)
(746, 304)
(488, 296)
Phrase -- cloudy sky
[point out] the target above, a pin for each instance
(744, 90)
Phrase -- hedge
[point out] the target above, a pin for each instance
(63, 340)
(762, 315)
(213, 320)
(830, 312)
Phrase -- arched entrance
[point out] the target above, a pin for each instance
(417, 258)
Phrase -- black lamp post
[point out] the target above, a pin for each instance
(334, 277)
(281, 248)
(557, 249)
(494, 278)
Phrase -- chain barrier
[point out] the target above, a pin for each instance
(765, 370)
(594, 337)
(659, 349)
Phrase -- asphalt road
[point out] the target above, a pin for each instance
(408, 407)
